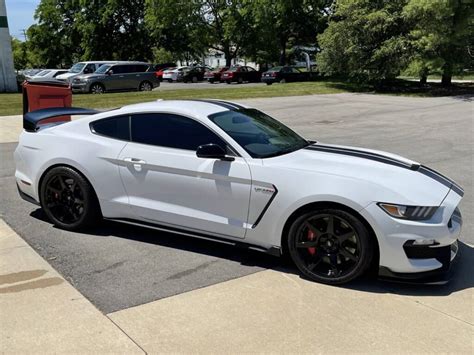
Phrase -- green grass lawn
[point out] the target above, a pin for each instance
(11, 104)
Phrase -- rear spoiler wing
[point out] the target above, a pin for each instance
(32, 120)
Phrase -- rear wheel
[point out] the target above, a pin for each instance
(269, 83)
(195, 79)
(240, 80)
(145, 86)
(68, 199)
(97, 88)
(330, 246)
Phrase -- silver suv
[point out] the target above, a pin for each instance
(117, 77)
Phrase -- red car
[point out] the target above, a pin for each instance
(239, 74)
(215, 75)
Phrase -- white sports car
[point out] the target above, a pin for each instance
(224, 171)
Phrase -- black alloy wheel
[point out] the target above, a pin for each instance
(68, 199)
(330, 246)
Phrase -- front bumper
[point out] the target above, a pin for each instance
(446, 255)
(268, 79)
(401, 258)
(81, 87)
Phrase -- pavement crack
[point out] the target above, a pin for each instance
(125, 333)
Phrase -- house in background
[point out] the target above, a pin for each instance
(215, 59)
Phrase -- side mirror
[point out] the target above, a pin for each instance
(212, 151)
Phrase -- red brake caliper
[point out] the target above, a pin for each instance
(311, 236)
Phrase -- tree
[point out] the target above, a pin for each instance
(54, 41)
(190, 28)
(283, 23)
(113, 29)
(20, 56)
(365, 40)
(441, 34)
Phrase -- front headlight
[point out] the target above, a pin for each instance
(414, 213)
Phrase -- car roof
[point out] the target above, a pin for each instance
(199, 109)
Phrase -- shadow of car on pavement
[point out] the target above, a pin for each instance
(463, 275)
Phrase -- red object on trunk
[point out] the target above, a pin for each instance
(46, 94)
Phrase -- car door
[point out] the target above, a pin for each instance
(168, 184)
(136, 75)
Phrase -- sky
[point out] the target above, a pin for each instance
(20, 15)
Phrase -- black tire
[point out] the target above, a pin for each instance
(268, 83)
(331, 255)
(240, 80)
(194, 79)
(145, 86)
(97, 88)
(68, 199)
(228, 82)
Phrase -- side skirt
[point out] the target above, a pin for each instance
(275, 251)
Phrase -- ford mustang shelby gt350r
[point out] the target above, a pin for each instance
(225, 171)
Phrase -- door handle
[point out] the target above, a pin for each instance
(137, 163)
(134, 160)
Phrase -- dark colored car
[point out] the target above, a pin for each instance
(215, 75)
(239, 74)
(193, 75)
(117, 77)
(284, 75)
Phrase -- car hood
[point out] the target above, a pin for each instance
(390, 176)
(65, 75)
(89, 76)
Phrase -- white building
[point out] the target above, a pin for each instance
(7, 70)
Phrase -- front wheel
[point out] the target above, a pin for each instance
(97, 88)
(330, 246)
(68, 199)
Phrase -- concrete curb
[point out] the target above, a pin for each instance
(42, 313)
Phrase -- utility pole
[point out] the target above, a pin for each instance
(7, 70)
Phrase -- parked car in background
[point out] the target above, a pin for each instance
(214, 76)
(175, 74)
(160, 68)
(159, 73)
(239, 74)
(117, 77)
(48, 74)
(82, 68)
(29, 73)
(284, 75)
(194, 74)
(168, 74)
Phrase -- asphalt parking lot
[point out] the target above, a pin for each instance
(117, 266)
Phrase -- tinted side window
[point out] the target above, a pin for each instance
(172, 131)
(118, 69)
(114, 127)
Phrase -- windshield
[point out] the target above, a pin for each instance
(77, 68)
(275, 69)
(259, 134)
(103, 69)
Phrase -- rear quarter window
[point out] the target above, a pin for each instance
(114, 127)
